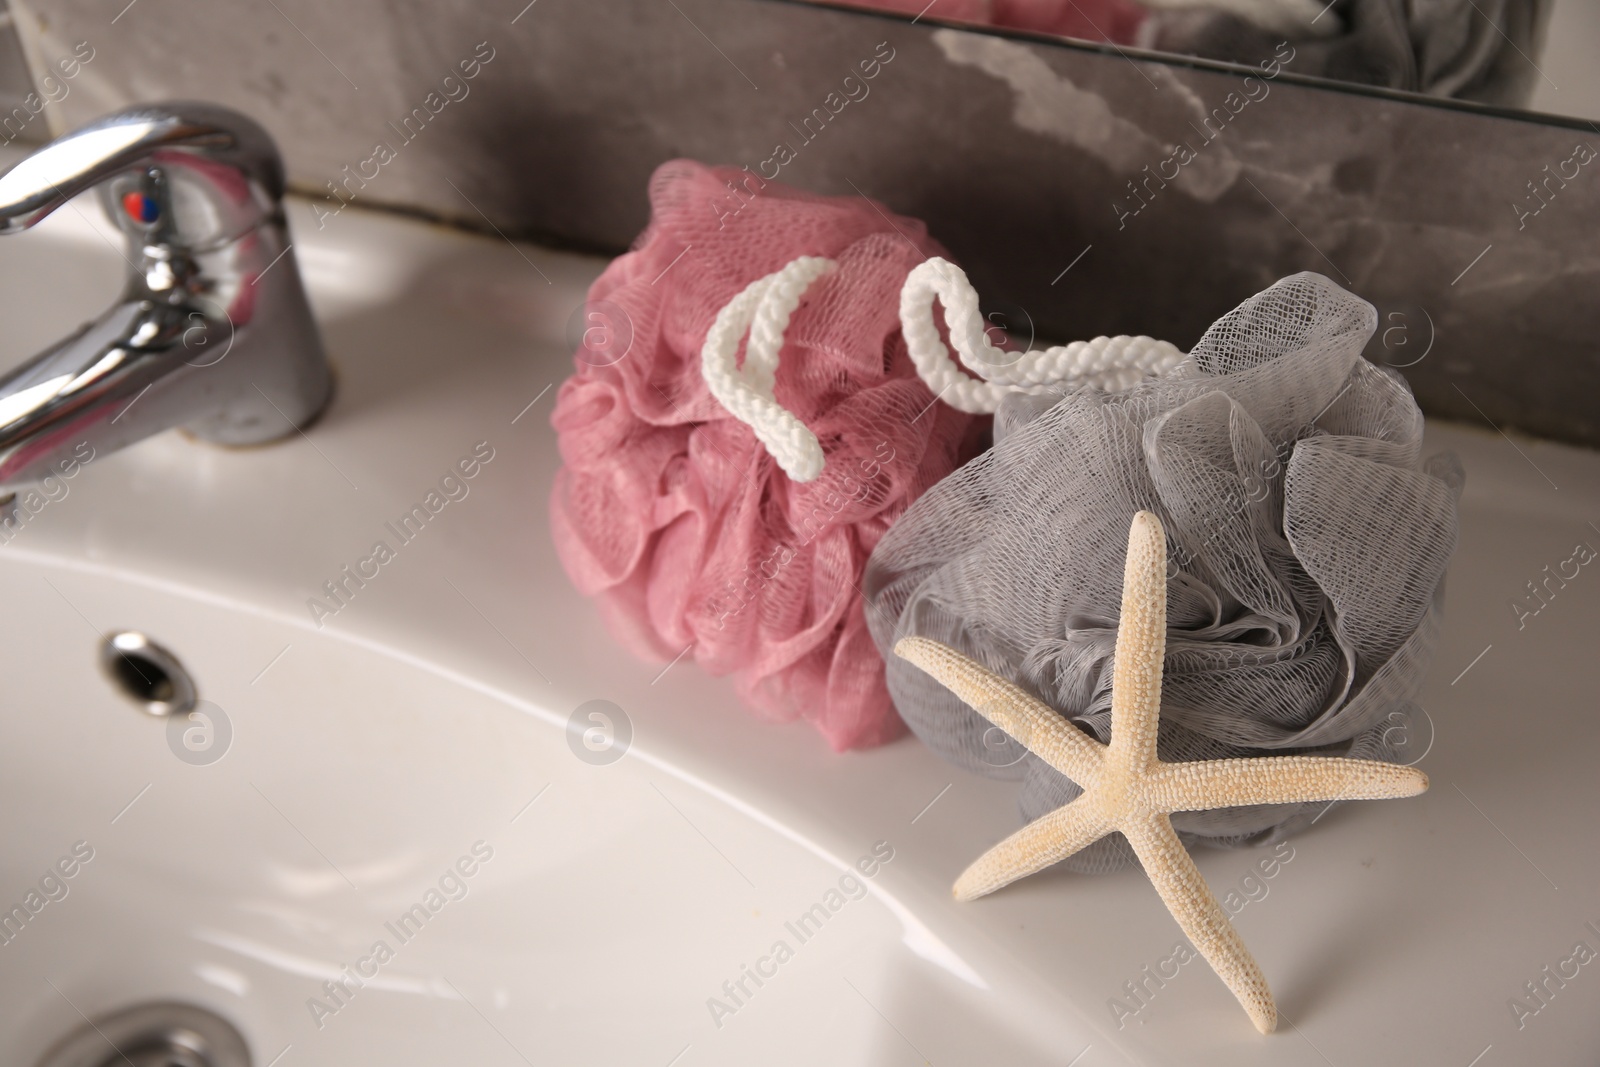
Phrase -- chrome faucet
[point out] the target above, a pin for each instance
(212, 333)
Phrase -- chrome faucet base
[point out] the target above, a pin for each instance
(213, 332)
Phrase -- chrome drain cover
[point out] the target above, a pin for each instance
(158, 1034)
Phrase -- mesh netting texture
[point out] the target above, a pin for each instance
(669, 510)
(1307, 541)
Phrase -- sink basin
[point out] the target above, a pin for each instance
(569, 856)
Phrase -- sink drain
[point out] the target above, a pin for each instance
(152, 1035)
(147, 674)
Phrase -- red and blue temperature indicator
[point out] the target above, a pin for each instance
(141, 207)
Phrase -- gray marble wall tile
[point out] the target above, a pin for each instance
(1018, 153)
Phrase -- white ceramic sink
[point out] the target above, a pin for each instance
(425, 726)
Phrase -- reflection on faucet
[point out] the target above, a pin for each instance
(213, 332)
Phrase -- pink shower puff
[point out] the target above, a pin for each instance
(671, 513)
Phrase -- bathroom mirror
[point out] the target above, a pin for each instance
(1533, 55)
(1097, 187)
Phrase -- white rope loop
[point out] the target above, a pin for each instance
(764, 308)
(1106, 363)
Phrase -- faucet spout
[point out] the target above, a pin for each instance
(212, 333)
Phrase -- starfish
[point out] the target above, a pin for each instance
(1126, 786)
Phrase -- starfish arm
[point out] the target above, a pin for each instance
(1226, 783)
(1187, 896)
(1141, 644)
(1048, 839)
(1039, 727)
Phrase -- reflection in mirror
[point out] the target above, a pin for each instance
(1487, 51)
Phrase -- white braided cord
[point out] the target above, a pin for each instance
(1105, 363)
(764, 308)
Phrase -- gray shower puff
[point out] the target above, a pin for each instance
(1308, 544)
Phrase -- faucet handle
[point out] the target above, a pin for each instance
(245, 173)
(213, 323)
